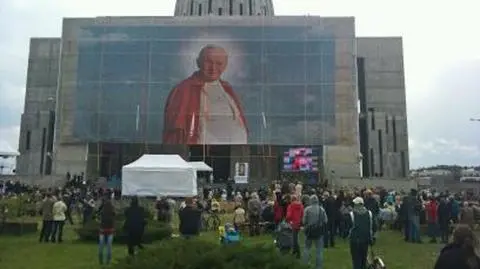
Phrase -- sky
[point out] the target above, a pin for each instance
(441, 55)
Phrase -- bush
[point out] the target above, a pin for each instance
(17, 207)
(18, 228)
(195, 253)
(154, 232)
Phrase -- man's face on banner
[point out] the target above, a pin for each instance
(241, 169)
(213, 64)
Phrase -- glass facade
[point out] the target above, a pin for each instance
(207, 85)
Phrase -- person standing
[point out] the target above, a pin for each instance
(330, 208)
(59, 210)
(315, 220)
(432, 219)
(467, 215)
(105, 237)
(362, 233)
(254, 210)
(47, 215)
(443, 219)
(135, 222)
(294, 218)
(190, 220)
(461, 253)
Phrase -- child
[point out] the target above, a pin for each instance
(230, 235)
(284, 237)
(238, 217)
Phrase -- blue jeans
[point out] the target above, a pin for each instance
(105, 241)
(318, 251)
(414, 229)
(433, 230)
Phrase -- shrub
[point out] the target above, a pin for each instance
(153, 232)
(18, 228)
(195, 253)
(19, 206)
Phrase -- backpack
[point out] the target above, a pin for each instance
(352, 216)
(317, 229)
(284, 238)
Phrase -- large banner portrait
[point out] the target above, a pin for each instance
(205, 85)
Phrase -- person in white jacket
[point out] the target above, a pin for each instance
(59, 216)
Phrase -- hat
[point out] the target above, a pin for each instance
(358, 201)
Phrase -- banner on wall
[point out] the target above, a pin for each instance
(241, 173)
(265, 84)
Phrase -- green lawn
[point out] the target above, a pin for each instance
(26, 253)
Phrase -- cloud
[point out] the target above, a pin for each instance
(439, 150)
(10, 135)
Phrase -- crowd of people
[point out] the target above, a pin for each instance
(283, 210)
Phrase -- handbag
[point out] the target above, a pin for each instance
(318, 229)
(375, 262)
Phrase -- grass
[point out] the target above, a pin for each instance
(26, 253)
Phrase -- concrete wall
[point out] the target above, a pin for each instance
(40, 99)
(393, 184)
(341, 162)
(36, 180)
(385, 115)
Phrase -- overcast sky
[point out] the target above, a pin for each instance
(441, 51)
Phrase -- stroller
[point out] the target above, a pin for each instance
(228, 235)
(375, 262)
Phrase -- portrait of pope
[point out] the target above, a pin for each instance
(204, 109)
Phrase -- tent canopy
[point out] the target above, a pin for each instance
(6, 150)
(201, 166)
(157, 163)
(154, 175)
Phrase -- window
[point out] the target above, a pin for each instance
(241, 9)
(42, 156)
(27, 140)
(372, 118)
(387, 122)
(230, 7)
(372, 162)
(199, 9)
(403, 161)
(210, 9)
(250, 6)
(191, 8)
(394, 131)
(380, 150)
(220, 11)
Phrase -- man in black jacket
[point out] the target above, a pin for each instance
(332, 213)
(135, 222)
(190, 220)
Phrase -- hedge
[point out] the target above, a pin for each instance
(195, 253)
(154, 232)
(18, 228)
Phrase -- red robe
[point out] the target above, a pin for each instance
(182, 110)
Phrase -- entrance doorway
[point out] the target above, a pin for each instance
(216, 156)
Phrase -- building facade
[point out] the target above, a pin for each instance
(36, 129)
(383, 110)
(298, 82)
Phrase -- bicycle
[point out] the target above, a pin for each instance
(211, 222)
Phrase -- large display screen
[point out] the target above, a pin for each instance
(301, 160)
(206, 85)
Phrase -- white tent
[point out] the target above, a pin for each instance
(153, 175)
(201, 166)
(6, 150)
